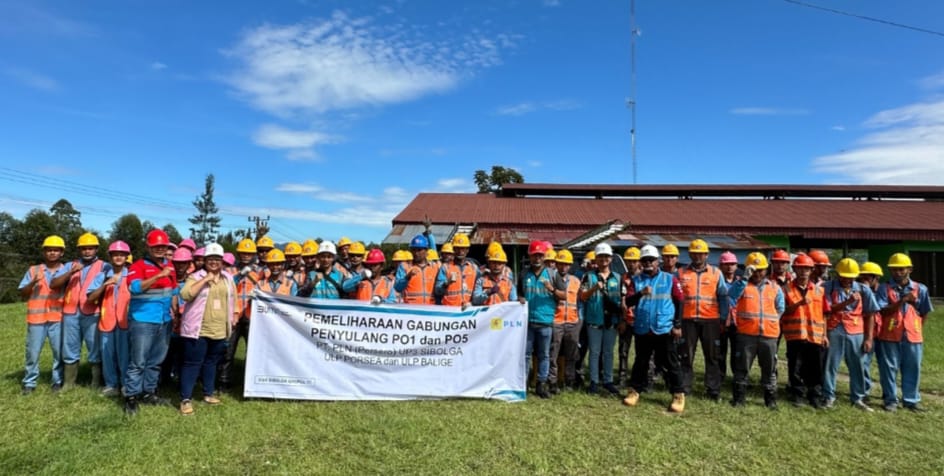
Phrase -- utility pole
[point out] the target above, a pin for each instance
(631, 102)
(262, 226)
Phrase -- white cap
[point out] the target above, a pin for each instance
(603, 249)
(327, 247)
(649, 251)
(214, 249)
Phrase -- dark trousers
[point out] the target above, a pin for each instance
(708, 332)
(805, 368)
(200, 358)
(170, 368)
(241, 331)
(726, 352)
(582, 348)
(625, 343)
(764, 349)
(665, 350)
(565, 342)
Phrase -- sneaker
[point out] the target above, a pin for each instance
(829, 403)
(797, 400)
(153, 399)
(131, 406)
(890, 407)
(211, 400)
(714, 397)
(678, 403)
(27, 390)
(592, 389)
(913, 407)
(609, 387)
(56, 388)
(109, 392)
(186, 407)
(862, 406)
(632, 398)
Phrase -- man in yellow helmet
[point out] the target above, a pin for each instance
(870, 274)
(625, 328)
(79, 315)
(247, 278)
(263, 245)
(43, 313)
(904, 305)
(670, 257)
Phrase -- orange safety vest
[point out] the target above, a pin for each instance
(907, 324)
(851, 320)
(757, 311)
(806, 322)
(76, 295)
(460, 291)
(504, 290)
(701, 292)
(566, 312)
(115, 306)
(367, 289)
(244, 295)
(285, 287)
(44, 304)
(419, 288)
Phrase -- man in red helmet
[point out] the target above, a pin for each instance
(780, 267)
(152, 282)
(821, 267)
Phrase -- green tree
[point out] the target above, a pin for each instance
(493, 182)
(28, 237)
(206, 222)
(128, 228)
(172, 234)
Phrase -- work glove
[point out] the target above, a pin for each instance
(289, 274)
(366, 274)
(749, 270)
(375, 300)
(246, 270)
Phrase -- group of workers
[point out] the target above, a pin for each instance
(179, 312)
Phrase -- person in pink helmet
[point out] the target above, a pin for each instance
(199, 255)
(189, 244)
(183, 262)
(229, 263)
(728, 264)
(114, 297)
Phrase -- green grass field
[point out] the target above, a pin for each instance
(79, 432)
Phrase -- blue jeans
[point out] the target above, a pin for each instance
(539, 337)
(895, 356)
(78, 328)
(848, 347)
(36, 334)
(601, 340)
(200, 359)
(148, 347)
(115, 356)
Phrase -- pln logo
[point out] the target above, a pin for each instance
(496, 324)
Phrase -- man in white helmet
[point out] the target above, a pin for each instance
(326, 281)
(602, 294)
(657, 297)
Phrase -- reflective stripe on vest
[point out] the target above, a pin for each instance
(901, 325)
(419, 288)
(244, 295)
(460, 291)
(701, 292)
(367, 289)
(566, 312)
(284, 289)
(76, 294)
(851, 320)
(757, 311)
(44, 304)
(115, 301)
(806, 322)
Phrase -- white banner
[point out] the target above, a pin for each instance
(322, 349)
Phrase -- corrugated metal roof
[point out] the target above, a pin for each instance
(848, 219)
(739, 190)
(403, 233)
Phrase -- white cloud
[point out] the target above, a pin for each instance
(32, 79)
(320, 193)
(157, 66)
(838, 127)
(933, 82)
(342, 63)
(768, 111)
(358, 215)
(528, 107)
(905, 148)
(534, 164)
(298, 188)
(454, 185)
(299, 144)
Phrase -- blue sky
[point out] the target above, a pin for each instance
(329, 116)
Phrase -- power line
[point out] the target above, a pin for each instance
(864, 17)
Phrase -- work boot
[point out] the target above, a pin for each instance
(770, 400)
(737, 399)
(632, 398)
(554, 388)
(131, 406)
(609, 387)
(541, 390)
(70, 374)
(96, 375)
(678, 403)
